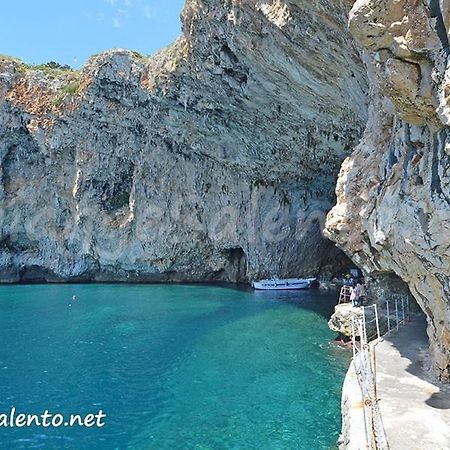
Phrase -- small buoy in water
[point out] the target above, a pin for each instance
(74, 297)
(70, 304)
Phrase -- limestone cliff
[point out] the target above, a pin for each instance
(213, 159)
(393, 209)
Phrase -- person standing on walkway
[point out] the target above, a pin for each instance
(354, 294)
(361, 293)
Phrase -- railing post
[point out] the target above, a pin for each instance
(376, 321)
(353, 338)
(403, 311)
(396, 314)
(388, 318)
(364, 324)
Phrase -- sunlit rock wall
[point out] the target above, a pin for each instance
(215, 159)
(393, 209)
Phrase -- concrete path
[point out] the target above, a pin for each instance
(415, 408)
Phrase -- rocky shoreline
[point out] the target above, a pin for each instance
(218, 158)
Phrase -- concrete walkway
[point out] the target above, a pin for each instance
(415, 408)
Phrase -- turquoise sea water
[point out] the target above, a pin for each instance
(173, 367)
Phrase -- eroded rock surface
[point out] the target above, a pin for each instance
(214, 159)
(393, 209)
(343, 320)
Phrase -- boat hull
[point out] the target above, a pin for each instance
(292, 284)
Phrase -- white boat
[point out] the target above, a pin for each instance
(277, 284)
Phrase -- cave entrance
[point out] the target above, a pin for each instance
(235, 270)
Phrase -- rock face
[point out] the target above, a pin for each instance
(393, 209)
(341, 320)
(216, 159)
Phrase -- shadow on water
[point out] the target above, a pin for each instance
(320, 302)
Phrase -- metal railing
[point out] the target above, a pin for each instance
(375, 321)
(364, 368)
(344, 296)
(399, 308)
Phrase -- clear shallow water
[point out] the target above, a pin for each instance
(173, 367)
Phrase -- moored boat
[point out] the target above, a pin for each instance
(277, 284)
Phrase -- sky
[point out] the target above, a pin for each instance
(69, 31)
